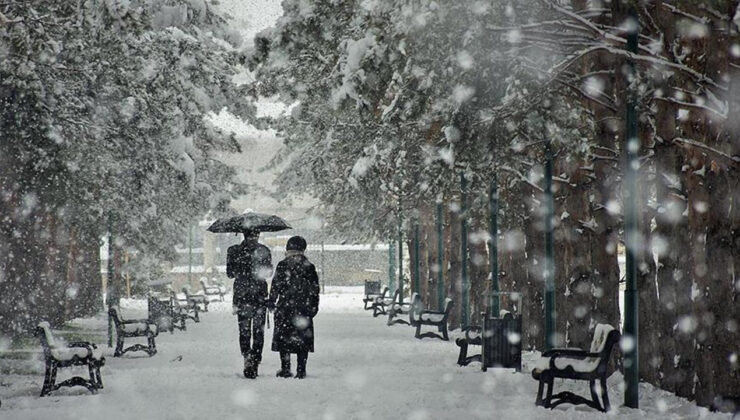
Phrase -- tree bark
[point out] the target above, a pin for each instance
(454, 271)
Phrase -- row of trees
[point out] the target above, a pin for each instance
(104, 125)
(395, 100)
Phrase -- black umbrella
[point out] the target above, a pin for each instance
(256, 222)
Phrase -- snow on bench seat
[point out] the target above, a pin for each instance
(432, 317)
(139, 328)
(569, 363)
(58, 355)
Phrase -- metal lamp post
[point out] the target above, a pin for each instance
(417, 273)
(493, 245)
(391, 264)
(631, 321)
(111, 292)
(440, 258)
(465, 321)
(549, 269)
(400, 261)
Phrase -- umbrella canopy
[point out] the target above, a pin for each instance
(256, 222)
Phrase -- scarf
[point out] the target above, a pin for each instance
(292, 253)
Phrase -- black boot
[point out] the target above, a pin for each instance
(301, 370)
(284, 371)
(250, 367)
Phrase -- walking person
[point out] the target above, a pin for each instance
(250, 265)
(295, 297)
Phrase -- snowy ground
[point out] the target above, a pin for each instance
(362, 369)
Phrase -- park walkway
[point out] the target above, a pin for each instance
(362, 369)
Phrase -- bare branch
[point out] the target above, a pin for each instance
(706, 147)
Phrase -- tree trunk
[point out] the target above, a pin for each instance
(575, 269)
(533, 311)
(671, 239)
(454, 272)
(426, 236)
(432, 261)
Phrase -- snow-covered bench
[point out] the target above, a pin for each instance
(127, 328)
(201, 301)
(579, 364)
(183, 308)
(372, 291)
(380, 302)
(79, 353)
(472, 338)
(418, 317)
(212, 289)
(162, 314)
(398, 307)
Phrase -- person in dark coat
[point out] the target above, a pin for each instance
(250, 264)
(295, 297)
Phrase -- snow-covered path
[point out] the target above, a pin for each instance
(362, 369)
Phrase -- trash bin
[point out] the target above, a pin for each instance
(502, 337)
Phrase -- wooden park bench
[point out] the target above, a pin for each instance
(372, 291)
(182, 308)
(473, 337)
(127, 328)
(201, 301)
(577, 364)
(161, 312)
(210, 290)
(78, 353)
(418, 316)
(380, 303)
(398, 307)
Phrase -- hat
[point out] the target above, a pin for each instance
(296, 243)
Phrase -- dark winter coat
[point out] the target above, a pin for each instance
(250, 264)
(295, 296)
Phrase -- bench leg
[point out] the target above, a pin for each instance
(98, 377)
(152, 345)
(443, 330)
(418, 331)
(463, 356)
(119, 346)
(594, 394)
(548, 398)
(49, 378)
(94, 371)
(540, 388)
(391, 315)
(604, 394)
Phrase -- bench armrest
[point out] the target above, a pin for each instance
(561, 350)
(572, 353)
(472, 329)
(433, 312)
(86, 344)
(137, 321)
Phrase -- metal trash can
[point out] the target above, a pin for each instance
(502, 337)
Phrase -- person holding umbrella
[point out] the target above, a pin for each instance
(250, 265)
(294, 296)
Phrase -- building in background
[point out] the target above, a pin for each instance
(339, 263)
